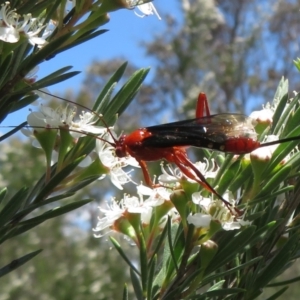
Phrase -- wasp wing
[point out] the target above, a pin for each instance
(210, 132)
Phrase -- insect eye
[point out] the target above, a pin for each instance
(120, 152)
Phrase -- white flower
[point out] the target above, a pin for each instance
(173, 175)
(31, 76)
(32, 30)
(157, 196)
(209, 169)
(47, 117)
(199, 220)
(44, 93)
(147, 9)
(264, 116)
(9, 21)
(118, 209)
(12, 25)
(85, 124)
(106, 153)
(218, 211)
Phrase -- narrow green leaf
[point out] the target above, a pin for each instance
(123, 255)
(39, 186)
(224, 165)
(262, 233)
(25, 101)
(277, 264)
(33, 222)
(228, 176)
(3, 193)
(57, 179)
(277, 294)
(174, 292)
(285, 282)
(127, 92)
(29, 208)
(18, 230)
(241, 178)
(293, 120)
(131, 88)
(82, 39)
(143, 260)
(166, 259)
(274, 182)
(175, 250)
(259, 199)
(11, 132)
(57, 79)
(36, 58)
(219, 293)
(13, 205)
(101, 104)
(282, 89)
(216, 286)
(279, 115)
(82, 184)
(159, 244)
(19, 53)
(152, 268)
(16, 263)
(55, 212)
(233, 247)
(109, 120)
(6, 67)
(125, 292)
(52, 75)
(211, 278)
(136, 285)
(169, 226)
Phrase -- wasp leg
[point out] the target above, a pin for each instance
(202, 105)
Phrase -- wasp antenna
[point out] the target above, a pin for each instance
(108, 130)
(15, 129)
(23, 125)
(72, 102)
(285, 140)
(100, 116)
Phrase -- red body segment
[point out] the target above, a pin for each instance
(241, 145)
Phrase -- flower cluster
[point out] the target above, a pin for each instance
(204, 211)
(155, 205)
(13, 26)
(63, 120)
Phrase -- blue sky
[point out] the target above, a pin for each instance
(126, 32)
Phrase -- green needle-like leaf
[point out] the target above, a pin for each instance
(136, 285)
(13, 206)
(123, 255)
(16, 263)
(277, 264)
(229, 251)
(57, 179)
(103, 99)
(277, 294)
